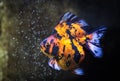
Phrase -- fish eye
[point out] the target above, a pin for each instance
(47, 45)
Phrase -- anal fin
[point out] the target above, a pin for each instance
(78, 71)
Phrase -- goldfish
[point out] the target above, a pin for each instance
(65, 46)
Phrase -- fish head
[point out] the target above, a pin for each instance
(54, 44)
(49, 46)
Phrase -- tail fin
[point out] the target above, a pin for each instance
(94, 43)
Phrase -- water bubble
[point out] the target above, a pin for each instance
(33, 11)
(21, 23)
(33, 22)
(24, 57)
(13, 38)
(46, 18)
(22, 31)
(38, 17)
(38, 32)
(26, 37)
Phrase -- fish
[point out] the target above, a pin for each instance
(65, 46)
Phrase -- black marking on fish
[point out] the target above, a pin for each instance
(68, 63)
(58, 36)
(59, 57)
(68, 23)
(55, 50)
(76, 54)
(70, 36)
(68, 56)
(47, 48)
(54, 32)
(63, 48)
(80, 43)
(77, 57)
(51, 41)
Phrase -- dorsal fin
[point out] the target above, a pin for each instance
(72, 18)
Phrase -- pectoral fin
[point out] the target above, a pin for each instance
(53, 63)
(78, 71)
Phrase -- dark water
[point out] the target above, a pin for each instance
(28, 22)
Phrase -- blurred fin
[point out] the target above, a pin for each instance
(72, 18)
(97, 51)
(94, 42)
(78, 71)
(53, 63)
(83, 23)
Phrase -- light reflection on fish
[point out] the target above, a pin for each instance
(65, 45)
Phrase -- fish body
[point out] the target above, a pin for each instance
(65, 45)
